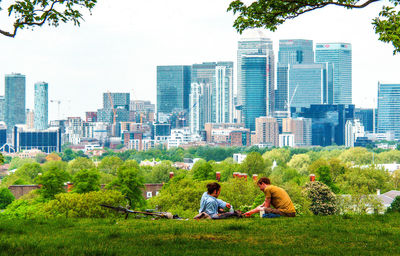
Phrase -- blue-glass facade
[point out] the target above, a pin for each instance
(307, 84)
(340, 57)
(366, 117)
(46, 140)
(389, 108)
(328, 122)
(254, 88)
(173, 88)
(260, 47)
(14, 101)
(293, 51)
(41, 106)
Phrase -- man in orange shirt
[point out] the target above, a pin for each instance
(275, 196)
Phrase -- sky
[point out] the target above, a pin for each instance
(119, 46)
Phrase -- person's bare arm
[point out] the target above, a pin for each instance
(267, 203)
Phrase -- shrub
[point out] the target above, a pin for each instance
(52, 182)
(86, 181)
(323, 200)
(87, 205)
(6, 197)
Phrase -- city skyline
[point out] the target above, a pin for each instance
(190, 33)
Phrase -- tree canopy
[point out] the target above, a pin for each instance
(270, 14)
(35, 13)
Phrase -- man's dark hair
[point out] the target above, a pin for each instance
(211, 187)
(263, 180)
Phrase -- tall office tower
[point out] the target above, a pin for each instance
(295, 51)
(2, 106)
(254, 90)
(308, 84)
(41, 105)
(14, 102)
(259, 47)
(389, 108)
(339, 56)
(267, 131)
(196, 113)
(173, 88)
(217, 80)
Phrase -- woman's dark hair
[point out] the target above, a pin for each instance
(211, 187)
(263, 180)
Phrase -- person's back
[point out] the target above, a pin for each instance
(279, 199)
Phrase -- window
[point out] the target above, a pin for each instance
(149, 194)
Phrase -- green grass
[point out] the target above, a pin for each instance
(335, 235)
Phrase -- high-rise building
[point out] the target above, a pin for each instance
(250, 51)
(254, 89)
(217, 80)
(197, 113)
(30, 119)
(267, 131)
(339, 55)
(41, 105)
(367, 117)
(173, 88)
(2, 107)
(120, 103)
(308, 84)
(14, 102)
(389, 108)
(293, 51)
(300, 128)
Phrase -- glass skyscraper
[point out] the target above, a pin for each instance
(339, 56)
(254, 88)
(14, 101)
(291, 51)
(259, 47)
(307, 84)
(389, 108)
(173, 88)
(41, 119)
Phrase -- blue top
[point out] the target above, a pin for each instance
(210, 204)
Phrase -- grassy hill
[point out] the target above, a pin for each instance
(334, 235)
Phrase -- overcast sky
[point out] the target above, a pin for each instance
(120, 45)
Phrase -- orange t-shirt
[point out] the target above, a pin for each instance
(279, 199)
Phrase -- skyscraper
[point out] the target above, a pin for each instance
(339, 56)
(14, 101)
(292, 51)
(389, 108)
(173, 88)
(307, 84)
(2, 107)
(217, 80)
(253, 88)
(258, 46)
(41, 105)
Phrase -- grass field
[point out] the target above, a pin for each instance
(335, 235)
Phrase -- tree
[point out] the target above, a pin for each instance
(394, 207)
(29, 170)
(388, 157)
(78, 164)
(52, 182)
(17, 162)
(281, 155)
(129, 183)
(68, 155)
(35, 13)
(357, 155)
(86, 181)
(203, 170)
(53, 157)
(160, 172)
(272, 13)
(300, 162)
(40, 158)
(6, 197)
(110, 164)
(2, 159)
(226, 168)
(253, 164)
(324, 176)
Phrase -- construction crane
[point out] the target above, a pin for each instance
(59, 103)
